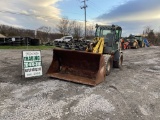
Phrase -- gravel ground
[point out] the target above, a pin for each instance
(132, 93)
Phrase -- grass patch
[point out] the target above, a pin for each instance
(29, 47)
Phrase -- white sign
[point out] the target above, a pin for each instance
(13, 39)
(32, 63)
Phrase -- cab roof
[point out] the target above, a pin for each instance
(109, 27)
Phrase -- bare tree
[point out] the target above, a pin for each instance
(64, 26)
(77, 29)
(13, 31)
(70, 28)
(147, 30)
(47, 31)
(90, 32)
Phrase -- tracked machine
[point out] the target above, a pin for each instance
(92, 65)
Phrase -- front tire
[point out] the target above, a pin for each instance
(108, 66)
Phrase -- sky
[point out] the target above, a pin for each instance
(132, 15)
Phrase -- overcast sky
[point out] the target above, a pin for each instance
(132, 15)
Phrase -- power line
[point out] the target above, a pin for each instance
(78, 2)
(99, 8)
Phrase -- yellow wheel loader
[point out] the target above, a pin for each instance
(91, 66)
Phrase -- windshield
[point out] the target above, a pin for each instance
(102, 32)
(105, 32)
(68, 37)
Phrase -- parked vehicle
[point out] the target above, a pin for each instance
(140, 41)
(133, 42)
(125, 44)
(64, 39)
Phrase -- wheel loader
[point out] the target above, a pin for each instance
(91, 66)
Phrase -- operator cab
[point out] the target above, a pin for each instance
(111, 35)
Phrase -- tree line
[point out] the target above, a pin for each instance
(46, 34)
(151, 35)
(43, 34)
(67, 27)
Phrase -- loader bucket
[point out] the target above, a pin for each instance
(77, 66)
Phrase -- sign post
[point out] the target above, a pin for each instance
(31, 64)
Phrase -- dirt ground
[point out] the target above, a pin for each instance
(132, 93)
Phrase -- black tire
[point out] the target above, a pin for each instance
(140, 44)
(108, 66)
(118, 64)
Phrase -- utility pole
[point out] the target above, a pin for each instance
(84, 7)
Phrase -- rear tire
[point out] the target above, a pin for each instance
(118, 64)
